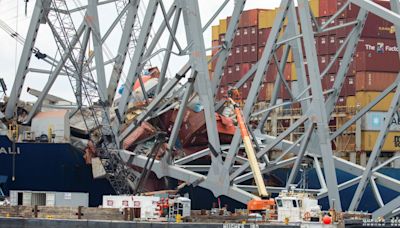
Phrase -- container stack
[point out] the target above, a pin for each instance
(373, 68)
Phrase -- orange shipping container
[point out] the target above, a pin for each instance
(368, 140)
(266, 18)
(364, 98)
(314, 5)
(351, 101)
(222, 26)
(215, 32)
(374, 81)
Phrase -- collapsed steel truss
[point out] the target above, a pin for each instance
(227, 171)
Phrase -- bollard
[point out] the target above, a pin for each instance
(126, 216)
(79, 214)
(35, 211)
(131, 214)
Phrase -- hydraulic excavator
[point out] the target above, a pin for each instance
(262, 204)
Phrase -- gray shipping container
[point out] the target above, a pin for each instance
(372, 121)
(58, 199)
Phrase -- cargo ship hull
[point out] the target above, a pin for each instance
(49, 167)
(61, 167)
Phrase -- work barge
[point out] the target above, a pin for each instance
(133, 126)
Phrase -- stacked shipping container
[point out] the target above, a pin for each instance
(374, 66)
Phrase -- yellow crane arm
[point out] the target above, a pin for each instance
(251, 156)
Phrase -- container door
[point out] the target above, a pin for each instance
(14, 198)
(26, 198)
(50, 199)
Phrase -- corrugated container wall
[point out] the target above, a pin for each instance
(314, 5)
(222, 26)
(374, 81)
(266, 18)
(364, 98)
(369, 138)
(215, 32)
(373, 121)
(373, 68)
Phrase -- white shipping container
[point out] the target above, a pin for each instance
(147, 204)
(50, 199)
(373, 121)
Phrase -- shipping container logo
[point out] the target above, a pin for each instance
(110, 203)
(390, 29)
(376, 121)
(396, 140)
(380, 47)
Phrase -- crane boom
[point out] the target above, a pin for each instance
(251, 155)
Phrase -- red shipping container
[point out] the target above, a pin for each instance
(262, 95)
(284, 93)
(263, 36)
(327, 81)
(376, 27)
(322, 21)
(221, 38)
(250, 35)
(332, 7)
(352, 10)
(377, 55)
(332, 44)
(374, 81)
(323, 61)
(245, 36)
(253, 53)
(249, 18)
(351, 70)
(237, 54)
(215, 45)
(237, 41)
(349, 87)
(237, 73)
(224, 81)
(271, 73)
(246, 54)
(254, 35)
(322, 45)
(232, 75)
(230, 61)
(324, 8)
(288, 72)
(345, 31)
(339, 42)
(222, 92)
(245, 67)
(245, 89)
(341, 101)
(335, 67)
